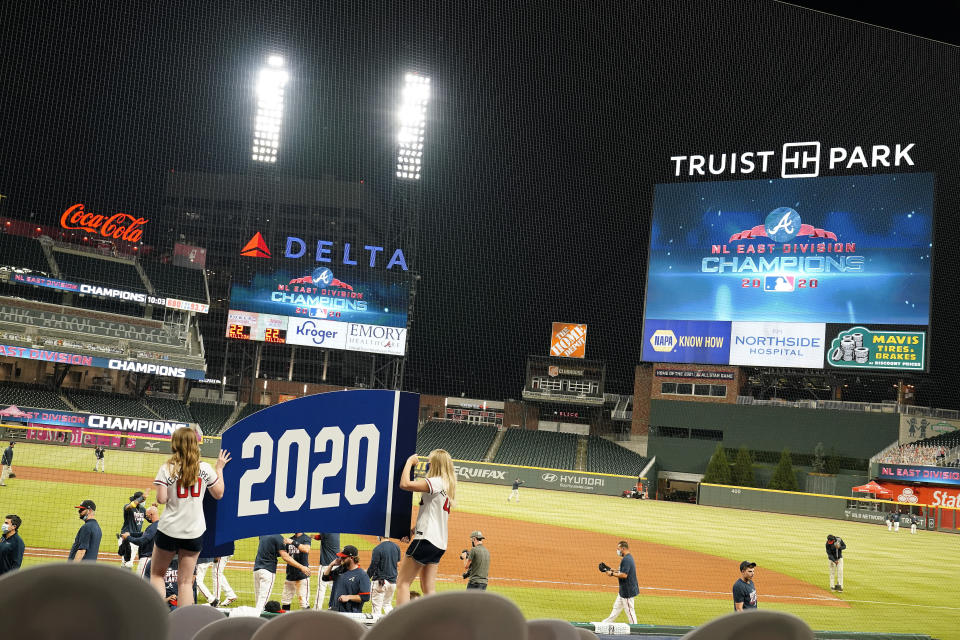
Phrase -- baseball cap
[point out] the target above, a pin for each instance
(746, 564)
(136, 496)
(349, 551)
(831, 537)
(476, 534)
(87, 504)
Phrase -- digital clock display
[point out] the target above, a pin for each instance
(275, 335)
(238, 332)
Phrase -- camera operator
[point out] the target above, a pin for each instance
(351, 584)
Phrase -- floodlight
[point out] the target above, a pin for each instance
(266, 125)
(412, 116)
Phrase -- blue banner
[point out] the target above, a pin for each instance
(60, 357)
(326, 462)
(686, 341)
(917, 473)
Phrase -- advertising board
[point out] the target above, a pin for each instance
(849, 252)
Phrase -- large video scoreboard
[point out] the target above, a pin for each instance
(828, 272)
(324, 295)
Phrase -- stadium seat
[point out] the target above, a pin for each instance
(169, 409)
(111, 404)
(307, 625)
(185, 622)
(171, 281)
(211, 417)
(81, 601)
(548, 629)
(755, 624)
(31, 395)
(464, 615)
(23, 253)
(249, 410)
(230, 629)
(604, 456)
(547, 449)
(102, 271)
(462, 440)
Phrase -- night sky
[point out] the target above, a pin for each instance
(549, 128)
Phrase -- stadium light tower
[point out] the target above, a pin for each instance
(271, 82)
(413, 120)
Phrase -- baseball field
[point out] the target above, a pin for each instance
(545, 550)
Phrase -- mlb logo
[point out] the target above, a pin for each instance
(316, 312)
(778, 283)
(553, 372)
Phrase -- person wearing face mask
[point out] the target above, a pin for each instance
(629, 589)
(11, 544)
(86, 546)
(351, 584)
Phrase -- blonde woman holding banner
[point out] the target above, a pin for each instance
(429, 536)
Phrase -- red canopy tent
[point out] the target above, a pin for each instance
(872, 487)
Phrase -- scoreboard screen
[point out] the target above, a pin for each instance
(829, 272)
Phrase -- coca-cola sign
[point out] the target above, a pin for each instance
(119, 226)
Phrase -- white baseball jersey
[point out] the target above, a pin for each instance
(434, 513)
(183, 517)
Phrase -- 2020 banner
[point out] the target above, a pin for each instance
(330, 461)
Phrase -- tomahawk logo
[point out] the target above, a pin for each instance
(256, 248)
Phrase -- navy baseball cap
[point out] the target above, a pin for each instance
(746, 564)
(349, 551)
(87, 504)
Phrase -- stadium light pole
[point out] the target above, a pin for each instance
(412, 116)
(271, 82)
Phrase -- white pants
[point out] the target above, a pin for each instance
(514, 494)
(299, 587)
(202, 568)
(100, 466)
(623, 604)
(913, 527)
(4, 474)
(896, 524)
(220, 583)
(134, 550)
(262, 586)
(836, 573)
(320, 603)
(381, 597)
(889, 525)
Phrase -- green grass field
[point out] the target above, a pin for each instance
(894, 582)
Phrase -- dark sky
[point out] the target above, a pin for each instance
(550, 125)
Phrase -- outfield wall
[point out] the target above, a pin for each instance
(764, 428)
(539, 478)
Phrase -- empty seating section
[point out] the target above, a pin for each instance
(112, 327)
(949, 440)
(604, 456)
(462, 440)
(28, 395)
(211, 417)
(176, 282)
(248, 410)
(23, 253)
(112, 404)
(538, 449)
(113, 274)
(168, 409)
